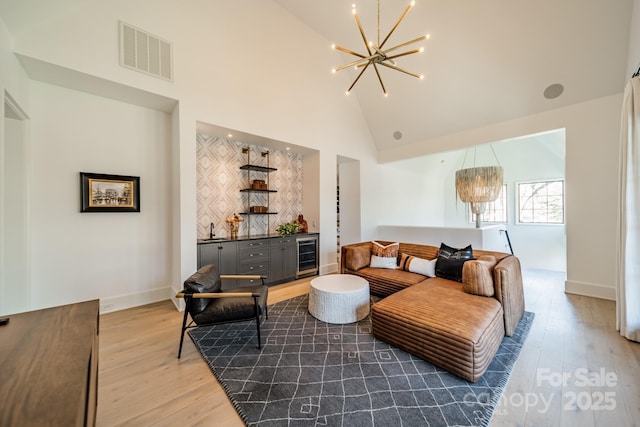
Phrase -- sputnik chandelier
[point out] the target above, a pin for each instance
(376, 53)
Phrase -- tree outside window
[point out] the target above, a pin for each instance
(541, 202)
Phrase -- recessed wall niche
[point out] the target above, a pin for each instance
(219, 180)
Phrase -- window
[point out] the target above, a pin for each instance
(495, 211)
(541, 202)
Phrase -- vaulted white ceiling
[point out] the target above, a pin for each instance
(487, 61)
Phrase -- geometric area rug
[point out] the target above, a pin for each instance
(311, 373)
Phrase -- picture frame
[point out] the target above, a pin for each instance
(109, 193)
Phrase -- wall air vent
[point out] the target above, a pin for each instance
(145, 52)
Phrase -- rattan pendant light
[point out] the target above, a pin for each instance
(479, 185)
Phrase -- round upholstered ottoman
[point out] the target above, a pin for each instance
(339, 298)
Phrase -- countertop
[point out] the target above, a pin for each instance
(252, 237)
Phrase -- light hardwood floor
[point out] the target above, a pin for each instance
(142, 383)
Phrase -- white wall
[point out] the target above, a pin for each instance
(240, 85)
(404, 196)
(122, 258)
(286, 99)
(591, 170)
(529, 158)
(535, 157)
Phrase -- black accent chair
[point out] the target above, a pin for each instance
(208, 304)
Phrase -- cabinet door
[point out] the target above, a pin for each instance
(289, 261)
(283, 259)
(208, 254)
(228, 264)
(277, 254)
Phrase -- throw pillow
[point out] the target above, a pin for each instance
(477, 276)
(384, 256)
(357, 257)
(414, 264)
(390, 250)
(451, 260)
(383, 262)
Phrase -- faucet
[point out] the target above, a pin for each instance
(212, 232)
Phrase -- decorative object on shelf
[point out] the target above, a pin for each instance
(376, 54)
(234, 224)
(109, 193)
(479, 185)
(288, 228)
(304, 227)
(257, 190)
(259, 184)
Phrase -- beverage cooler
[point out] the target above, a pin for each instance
(307, 251)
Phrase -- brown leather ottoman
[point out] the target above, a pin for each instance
(439, 322)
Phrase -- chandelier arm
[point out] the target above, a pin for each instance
(400, 69)
(396, 25)
(409, 52)
(381, 56)
(375, 67)
(357, 63)
(403, 44)
(364, 38)
(358, 77)
(494, 154)
(345, 50)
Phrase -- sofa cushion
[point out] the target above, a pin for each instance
(438, 322)
(205, 280)
(232, 309)
(383, 282)
(414, 264)
(357, 257)
(450, 261)
(477, 276)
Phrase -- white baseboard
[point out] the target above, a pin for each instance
(177, 302)
(590, 290)
(121, 302)
(328, 268)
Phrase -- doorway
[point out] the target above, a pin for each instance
(14, 271)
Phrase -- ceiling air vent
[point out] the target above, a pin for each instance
(145, 52)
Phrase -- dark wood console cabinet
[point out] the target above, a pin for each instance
(275, 257)
(49, 367)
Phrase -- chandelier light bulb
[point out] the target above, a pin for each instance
(333, 71)
(333, 46)
(421, 49)
(413, 3)
(421, 76)
(428, 36)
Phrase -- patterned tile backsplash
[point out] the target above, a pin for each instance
(219, 180)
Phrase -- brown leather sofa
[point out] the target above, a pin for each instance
(455, 325)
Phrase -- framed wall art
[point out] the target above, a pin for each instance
(109, 193)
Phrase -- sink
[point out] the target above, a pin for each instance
(213, 239)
